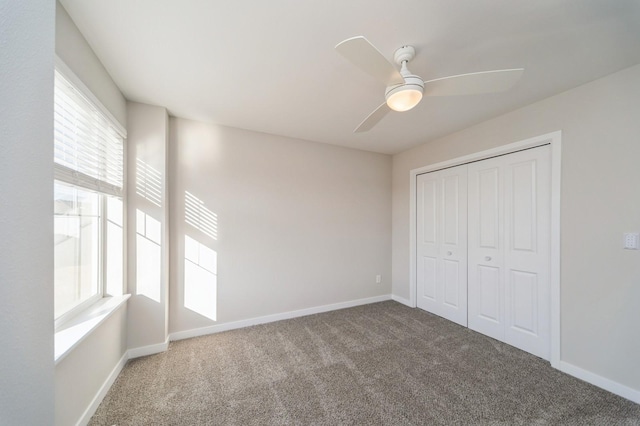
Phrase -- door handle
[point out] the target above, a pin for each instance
(487, 258)
(449, 253)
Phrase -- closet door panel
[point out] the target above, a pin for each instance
(442, 243)
(522, 193)
(451, 208)
(486, 260)
(488, 204)
(451, 272)
(527, 256)
(427, 267)
(453, 251)
(488, 281)
(427, 242)
(524, 307)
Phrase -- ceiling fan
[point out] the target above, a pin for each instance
(405, 90)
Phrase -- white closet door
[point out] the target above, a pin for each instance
(442, 243)
(486, 251)
(527, 256)
(427, 242)
(509, 220)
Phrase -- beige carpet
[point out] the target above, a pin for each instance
(371, 365)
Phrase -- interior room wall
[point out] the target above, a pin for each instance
(26, 225)
(74, 373)
(600, 295)
(147, 223)
(76, 53)
(281, 224)
(77, 381)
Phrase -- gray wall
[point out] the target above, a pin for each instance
(299, 224)
(80, 375)
(76, 382)
(26, 224)
(74, 51)
(147, 251)
(600, 295)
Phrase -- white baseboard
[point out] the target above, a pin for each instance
(179, 335)
(148, 350)
(95, 403)
(401, 300)
(601, 382)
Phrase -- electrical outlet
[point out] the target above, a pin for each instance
(631, 240)
(378, 279)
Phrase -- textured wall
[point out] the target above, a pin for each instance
(26, 223)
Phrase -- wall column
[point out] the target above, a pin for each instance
(147, 228)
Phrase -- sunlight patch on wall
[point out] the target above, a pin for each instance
(148, 182)
(199, 216)
(148, 256)
(200, 278)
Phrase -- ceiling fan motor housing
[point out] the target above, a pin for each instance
(404, 54)
(403, 97)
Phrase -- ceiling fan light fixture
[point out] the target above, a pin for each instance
(405, 96)
(405, 99)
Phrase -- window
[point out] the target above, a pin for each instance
(88, 203)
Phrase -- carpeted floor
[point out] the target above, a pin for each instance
(371, 365)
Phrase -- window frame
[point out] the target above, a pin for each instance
(70, 177)
(102, 246)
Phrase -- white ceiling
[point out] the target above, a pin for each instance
(270, 66)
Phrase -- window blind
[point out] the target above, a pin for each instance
(88, 150)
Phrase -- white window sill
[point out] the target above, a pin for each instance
(71, 333)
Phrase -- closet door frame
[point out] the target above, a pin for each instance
(554, 140)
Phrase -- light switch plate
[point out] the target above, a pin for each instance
(631, 240)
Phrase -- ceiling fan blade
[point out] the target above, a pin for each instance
(372, 119)
(365, 56)
(473, 83)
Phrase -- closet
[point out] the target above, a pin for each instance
(482, 246)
